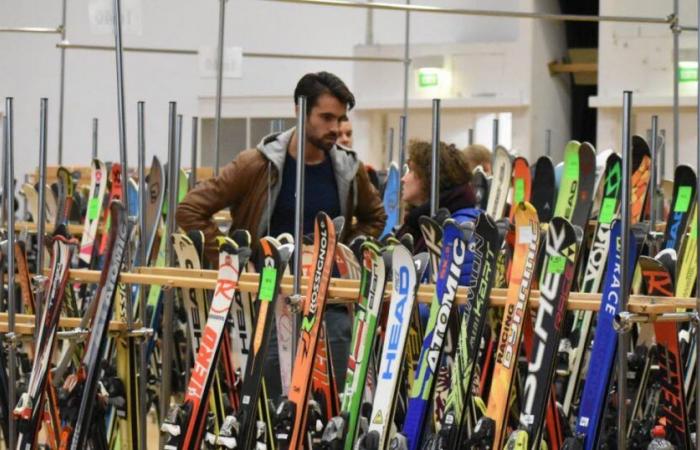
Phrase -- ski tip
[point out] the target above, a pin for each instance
(241, 237)
(285, 252)
(421, 261)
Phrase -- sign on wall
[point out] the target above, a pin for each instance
(233, 62)
(101, 17)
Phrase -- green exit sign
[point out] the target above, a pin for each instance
(687, 72)
(428, 79)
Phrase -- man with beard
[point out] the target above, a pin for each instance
(258, 187)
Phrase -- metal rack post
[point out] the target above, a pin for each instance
(41, 220)
(494, 133)
(9, 195)
(299, 210)
(167, 352)
(193, 164)
(402, 161)
(219, 85)
(95, 124)
(390, 144)
(62, 84)
(654, 171)
(435, 160)
(625, 276)
(143, 363)
(548, 143)
(676, 31)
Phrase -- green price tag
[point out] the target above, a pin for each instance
(556, 264)
(607, 210)
(93, 208)
(519, 191)
(683, 199)
(267, 285)
(571, 166)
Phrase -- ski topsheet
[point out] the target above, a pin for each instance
(500, 183)
(593, 274)
(673, 410)
(453, 255)
(602, 357)
(684, 182)
(31, 404)
(521, 184)
(189, 431)
(372, 286)
(483, 246)
(543, 193)
(555, 283)
(515, 312)
(270, 264)
(586, 185)
(76, 430)
(401, 305)
(291, 414)
(392, 201)
(568, 186)
(98, 187)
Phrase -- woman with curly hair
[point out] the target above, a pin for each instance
(455, 192)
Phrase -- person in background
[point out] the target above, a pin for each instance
(455, 192)
(345, 133)
(478, 155)
(336, 182)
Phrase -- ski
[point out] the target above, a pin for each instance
(515, 313)
(454, 252)
(602, 359)
(271, 262)
(555, 282)
(30, 409)
(186, 424)
(521, 184)
(543, 192)
(77, 428)
(483, 247)
(684, 182)
(290, 429)
(392, 201)
(500, 183)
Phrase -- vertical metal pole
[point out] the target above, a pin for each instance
(402, 161)
(470, 136)
(299, 209)
(390, 144)
(495, 133)
(121, 113)
(654, 171)
(369, 31)
(662, 157)
(143, 258)
(625, 275)
(94, 137)
(435, 161)
(406, 66)
(697, 281)
(219, 85)
(10, 212)
(193, 164)
(179, 148)
(548, 143)
(676, 30)
(62, 84)
(41, 220)
(167, 352)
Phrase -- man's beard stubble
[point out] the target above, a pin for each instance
(321, 143)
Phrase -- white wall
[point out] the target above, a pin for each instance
(30, 65)
(639, 58)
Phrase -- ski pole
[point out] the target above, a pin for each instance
(41, 220)
(654, 176)
(402, 161)
(94, 137)
(495, 132)
(193, 165)
(143, 364)
(219, 86)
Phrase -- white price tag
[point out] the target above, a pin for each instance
(102, 17)
(233, 62)
(525, 234)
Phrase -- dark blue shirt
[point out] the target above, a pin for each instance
(320, 194)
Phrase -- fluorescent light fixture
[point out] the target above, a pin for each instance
(688, 71)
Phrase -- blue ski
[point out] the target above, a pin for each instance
(602, 360)
(391, 199)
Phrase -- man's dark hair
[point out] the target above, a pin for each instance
(313, 85)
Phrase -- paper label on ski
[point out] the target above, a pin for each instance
(602, 357)
(522, 271)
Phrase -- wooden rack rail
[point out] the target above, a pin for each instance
(345, 291)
